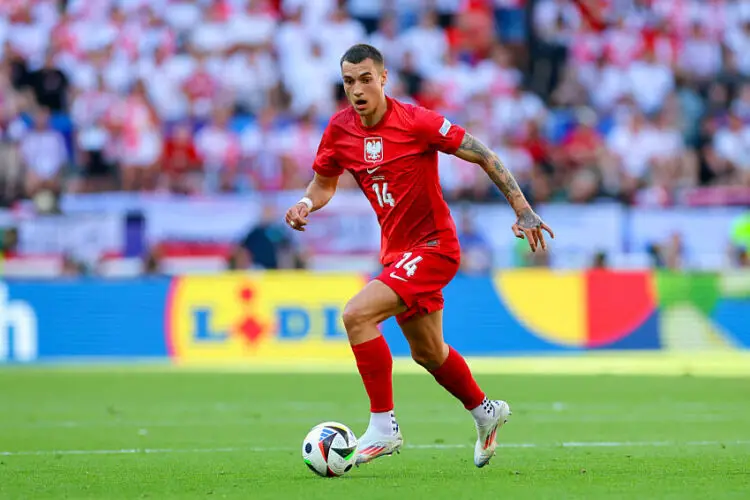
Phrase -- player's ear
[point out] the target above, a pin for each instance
(383, 77)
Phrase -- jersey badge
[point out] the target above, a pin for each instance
(373, 149)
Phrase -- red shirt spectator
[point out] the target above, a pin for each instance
(179, 155)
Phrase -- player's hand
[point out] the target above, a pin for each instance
(530, 226)
(296, 216)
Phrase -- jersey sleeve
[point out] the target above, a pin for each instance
(325, 164)
(438, 132)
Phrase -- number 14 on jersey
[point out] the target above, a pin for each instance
(384, 197)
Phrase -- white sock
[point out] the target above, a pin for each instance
(483, 412)
(384, 423)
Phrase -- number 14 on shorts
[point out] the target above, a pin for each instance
(409, 265)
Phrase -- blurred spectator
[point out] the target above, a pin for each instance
(476, 252)
(50, 86)
(427, 40)
(650, 81)
(12, 128)
(732, 144)
(138, 138)
(218, 148)
(266, 242)
(387, 40)
(180, 164)
(334, 36)
(43, 156)
(94, 144)
(701, 56)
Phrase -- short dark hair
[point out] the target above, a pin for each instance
(358, 53)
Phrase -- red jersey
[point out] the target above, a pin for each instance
(395, 164)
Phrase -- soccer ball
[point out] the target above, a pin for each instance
(329, 449)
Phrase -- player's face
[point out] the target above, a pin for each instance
(364, 84)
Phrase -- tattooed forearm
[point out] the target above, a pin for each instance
(474, 151)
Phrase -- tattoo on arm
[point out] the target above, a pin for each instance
(474, 151)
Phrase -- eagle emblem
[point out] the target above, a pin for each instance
(374, 149)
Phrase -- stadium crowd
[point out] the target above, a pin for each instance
(634, 100)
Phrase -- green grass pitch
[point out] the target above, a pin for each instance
(170, 433)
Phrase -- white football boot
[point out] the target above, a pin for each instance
(382, 437)
(488, 417)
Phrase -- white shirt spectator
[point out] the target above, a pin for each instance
(293, 44)
(89, 107)
(448, 6)
(495, 79)
(297, 79)
(118, 74)
(546, 14)
(218, 147)
(650, 82)
(606, 85)
(164, 79)
(518, 161)
(212, 36)
(251, 90)
(456, 78)
(251, 29)
(634, 148)
(508, 112)
(43, 151)
(734, 146)
(30, 40)
(701, 57)
(429, 45)
(261, 146)
(94, 35)
(390, 46)
(738, 41)
(365, 8)
(133, 6)
(668, 143)
(335, 37)
(45, 12)
(314, 12)
(95, 10)
(182, 15)
(300, 143)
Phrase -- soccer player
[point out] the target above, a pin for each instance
(391, 150)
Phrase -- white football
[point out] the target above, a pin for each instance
(329, 449)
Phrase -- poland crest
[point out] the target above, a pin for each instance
(374, 149)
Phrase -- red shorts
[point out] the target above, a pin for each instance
(419, 278)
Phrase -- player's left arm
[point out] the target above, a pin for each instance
(528, 225)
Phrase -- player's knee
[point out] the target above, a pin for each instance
(354, 316)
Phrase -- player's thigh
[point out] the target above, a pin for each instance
(425, 336)
(375, 303)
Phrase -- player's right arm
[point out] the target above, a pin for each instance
(323, 186)
(319, 192)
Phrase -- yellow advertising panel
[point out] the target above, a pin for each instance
(268, 316)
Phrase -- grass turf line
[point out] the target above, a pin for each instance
(97, 410)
